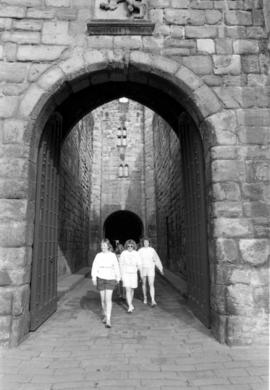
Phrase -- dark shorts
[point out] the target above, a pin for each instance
(104, 284)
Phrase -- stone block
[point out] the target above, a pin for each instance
(241, 329)
(12, 209)
(227, 170)
(229, 64)
(12, 72)
(134, 42)
(13, 131)
(261, 227)
(67, 14)
(51, 79)
(258, 171)
(55, 32)
(241, 18)
(1, 52)
(58, 3)
(239, 299)
(20, 276)
(36, 13)
(36, 70)
(231, 97)
(13, 234)
(201, 32)
(226, 191)
(212, 81)
(4, 278)
(179, 3)
(223, 45)
(240, 276)
(31, 100)
(156, 15)
(159, 3)
(8, 106)
(206, 100)
(250, 64)
(224, 127)
(206, 45)
(5, 24)
(252, 191)
(255, 251)
(232, 227)
(21, 37)
(254, 32)
(256, 209)
(11, 11)
(20, 300)
(5, 326)
(254, 117)
(14, 257)
(20, 328)
(179, 17)
(27, 24)
(177, 32)
(227, 209)
(39, 53)
(213, 17)
(14, 189)
(5, 301)
(10, 51)
(245, 46)
(198, 64)
(254, 135)
(227, 250)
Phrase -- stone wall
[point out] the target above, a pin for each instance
(169, 196)
(216, 53)
(74, 198)
(118, 172)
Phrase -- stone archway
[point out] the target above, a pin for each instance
(123, 225)
(93, 70)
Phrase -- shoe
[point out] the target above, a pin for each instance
(153, 304)
(108, 325)
(130, 309)
(145, 301)
(104, 320)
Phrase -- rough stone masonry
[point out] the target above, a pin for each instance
(214, 51)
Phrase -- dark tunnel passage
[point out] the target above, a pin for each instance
(122, 226)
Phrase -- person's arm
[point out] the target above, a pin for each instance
(139, 264)
(157, 261)
(94, 270)
(116, 269)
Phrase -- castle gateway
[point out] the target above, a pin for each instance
(203, 67)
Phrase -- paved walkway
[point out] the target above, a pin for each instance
(164, 348)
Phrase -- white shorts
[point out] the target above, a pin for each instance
(148, 271)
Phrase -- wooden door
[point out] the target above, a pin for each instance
(43, 300)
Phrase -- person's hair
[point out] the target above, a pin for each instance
(107, 241)
(144, 239)
(130, 242)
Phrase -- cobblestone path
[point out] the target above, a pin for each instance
(163, 348)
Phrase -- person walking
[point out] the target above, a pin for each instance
(105, 275)
(130, 264)
(149, 260)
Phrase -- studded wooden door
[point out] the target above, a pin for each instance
(196, 245)
(43, 300)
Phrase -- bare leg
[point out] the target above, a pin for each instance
(103, 302)
(144, 289)
(151, 280)
(129, 298)
(108, 299)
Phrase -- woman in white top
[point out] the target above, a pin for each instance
(129, 265)
(105, 275)
(149, 260)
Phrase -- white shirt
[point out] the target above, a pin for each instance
(130, 262)
(105, 266)
(150, 258)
